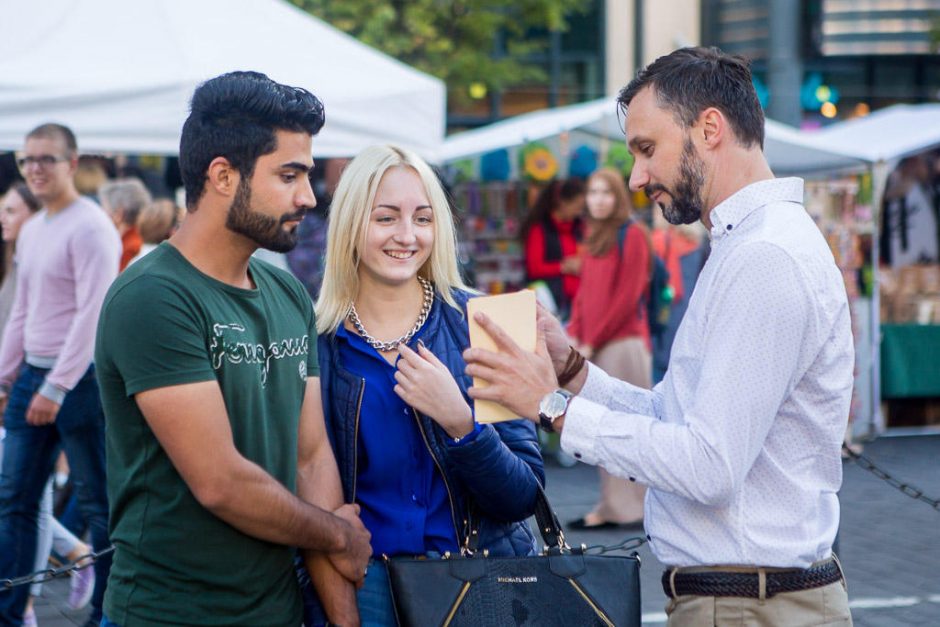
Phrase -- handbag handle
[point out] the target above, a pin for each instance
(552, 534)
(550, 529)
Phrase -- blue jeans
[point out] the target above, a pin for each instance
(28, 460)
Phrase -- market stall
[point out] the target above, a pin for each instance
(905, 294)
(500, 164)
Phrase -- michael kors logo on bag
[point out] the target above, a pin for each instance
(517, 580)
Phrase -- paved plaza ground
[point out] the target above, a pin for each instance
(890, 543)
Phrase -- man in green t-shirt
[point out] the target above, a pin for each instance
(218, 460)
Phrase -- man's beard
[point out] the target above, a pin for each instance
(264, 230)
(686, 206)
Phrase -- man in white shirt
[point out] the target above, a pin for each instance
(740, 442)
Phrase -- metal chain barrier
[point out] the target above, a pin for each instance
(904, 488)
(628, 544)
(42, 576)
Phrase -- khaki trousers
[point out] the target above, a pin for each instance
(828, 605)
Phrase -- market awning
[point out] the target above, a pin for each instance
(889, 134)
(788, 150)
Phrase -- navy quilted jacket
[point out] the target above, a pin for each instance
(499, 470)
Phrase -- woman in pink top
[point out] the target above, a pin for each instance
(608, 322)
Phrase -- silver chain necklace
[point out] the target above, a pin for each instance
(379, 345)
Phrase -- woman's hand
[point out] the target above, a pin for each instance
(426, 384)
(571, 265)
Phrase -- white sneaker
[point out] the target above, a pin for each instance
(82, 587)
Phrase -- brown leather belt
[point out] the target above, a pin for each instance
(730, 583)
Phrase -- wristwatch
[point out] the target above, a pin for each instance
(552, 407)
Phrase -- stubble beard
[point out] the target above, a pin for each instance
(687, 203)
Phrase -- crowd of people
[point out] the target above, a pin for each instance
(62, 250)
(252, 455)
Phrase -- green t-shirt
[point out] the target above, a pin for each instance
(165, 323)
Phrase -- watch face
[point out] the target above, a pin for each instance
(553, 405)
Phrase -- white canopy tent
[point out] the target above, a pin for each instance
(887, 135)
(788, 150)
(120, 73)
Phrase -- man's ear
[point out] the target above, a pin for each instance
(713, 125)
(222, 178)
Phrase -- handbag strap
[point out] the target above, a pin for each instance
(549, 527)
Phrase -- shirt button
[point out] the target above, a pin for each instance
(414, 498)
(404, 411)
(729, 227)
(632, 478)
(649, 538)
(577, 455)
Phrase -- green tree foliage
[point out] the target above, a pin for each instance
(454, 40)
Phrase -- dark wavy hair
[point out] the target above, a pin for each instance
(236, 116)
(689, 80)
(548, 200)
(32, 203)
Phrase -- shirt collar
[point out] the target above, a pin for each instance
(726, 216)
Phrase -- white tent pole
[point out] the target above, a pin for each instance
(879, 178)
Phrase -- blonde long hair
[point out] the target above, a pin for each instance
(349, 222)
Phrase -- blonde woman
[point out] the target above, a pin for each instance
(392, 322)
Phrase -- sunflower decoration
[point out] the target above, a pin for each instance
(538, 163)
(620, 159)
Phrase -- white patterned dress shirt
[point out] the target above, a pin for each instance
(740, 442)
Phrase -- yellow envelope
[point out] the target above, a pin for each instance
(515, 313)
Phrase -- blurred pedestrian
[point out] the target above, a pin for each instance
(124, 199)
(306, 261)
(90, 176)
(909, 222)
(551, 234)
(218, 458)
(684, 249)
(156, 223)
(609, 325)
(392, 322)
(66, 259)
(740, 443)
(18, 206)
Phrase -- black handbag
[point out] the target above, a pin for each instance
(562, 587)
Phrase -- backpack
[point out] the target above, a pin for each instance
(659, 295)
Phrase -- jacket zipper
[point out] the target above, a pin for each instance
(362, 389)
(450, 496)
